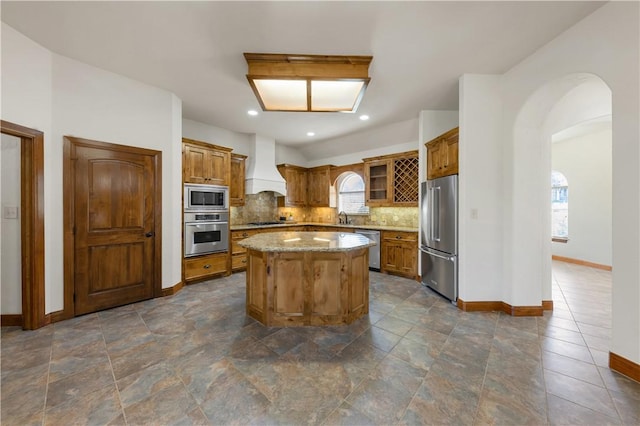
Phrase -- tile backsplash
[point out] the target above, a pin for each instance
(263, 207)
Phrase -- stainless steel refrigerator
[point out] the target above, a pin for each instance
(439, 235)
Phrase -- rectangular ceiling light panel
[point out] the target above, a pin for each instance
(282, 95)
(328, 95)
(283, 82)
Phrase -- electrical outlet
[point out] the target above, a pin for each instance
(10, 213)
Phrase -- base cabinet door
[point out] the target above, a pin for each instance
(400, 253)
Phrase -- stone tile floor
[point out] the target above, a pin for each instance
(195, 358)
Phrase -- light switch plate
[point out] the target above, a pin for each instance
(10, 213)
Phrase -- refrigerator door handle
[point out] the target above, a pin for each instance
(435, 215)
(439, 256)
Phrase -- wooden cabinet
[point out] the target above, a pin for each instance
(377, 182)
(239, 253)
(442, 155)
(296, 179)
(318, 183)
(392, 180)
(399, 254)
(307, 288)
(205, 163)
(236, 186)
(203, 267)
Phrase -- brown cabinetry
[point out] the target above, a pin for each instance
(205, 163)
(318, 183)
(377, 182)
(202, 267)
(400, 253)
(239, 253)
(296, 179)
(392, 180)
(236, 186)
(307, 288)
(442, 155)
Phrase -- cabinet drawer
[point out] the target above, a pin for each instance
(237, 248)
(238, 261)
(241, 235)
(204, 266)
(400, 236)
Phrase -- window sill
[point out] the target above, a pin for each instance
(563, 240)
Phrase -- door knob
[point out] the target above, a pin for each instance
(149, 234)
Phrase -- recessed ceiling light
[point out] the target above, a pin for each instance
(364, 117)
(310, 134)
(252, 112)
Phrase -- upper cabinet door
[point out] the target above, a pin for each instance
(296, 179)
(236, 186)
(194, 164)
(205, 163)
(319, 181)
(377, 182)
(442, 155)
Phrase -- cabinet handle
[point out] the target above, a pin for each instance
(244, 234)
(244, 261)
(207, 266)
(398, 237)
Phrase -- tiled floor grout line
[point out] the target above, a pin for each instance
(113, 374)
(46, 391)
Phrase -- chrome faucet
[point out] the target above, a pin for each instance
(346, 218)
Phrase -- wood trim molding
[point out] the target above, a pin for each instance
(170, 291)
(522, 311)
(582, 262)
(335, 171)
(547, 305)
(58, 316)
(9, 320)
(488, 306)
(624, 366)
(479, 306)
(32, 220)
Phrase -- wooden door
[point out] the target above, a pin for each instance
(116, 214)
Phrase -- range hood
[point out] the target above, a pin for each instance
(262, 174)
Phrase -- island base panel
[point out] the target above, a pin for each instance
(307, 288)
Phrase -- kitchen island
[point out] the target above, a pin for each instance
(307, 278)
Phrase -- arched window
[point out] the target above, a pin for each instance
(351, 194)
(559, 206)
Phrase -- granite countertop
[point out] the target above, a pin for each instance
(287, 224)
(306, 241)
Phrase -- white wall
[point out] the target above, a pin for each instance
(76, 99)
(383, 140)
(530, 90)
(586, 163)
(239, 142)
(480, 193)
(26, 100)
(11, 259)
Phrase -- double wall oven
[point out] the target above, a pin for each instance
(206, 219)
